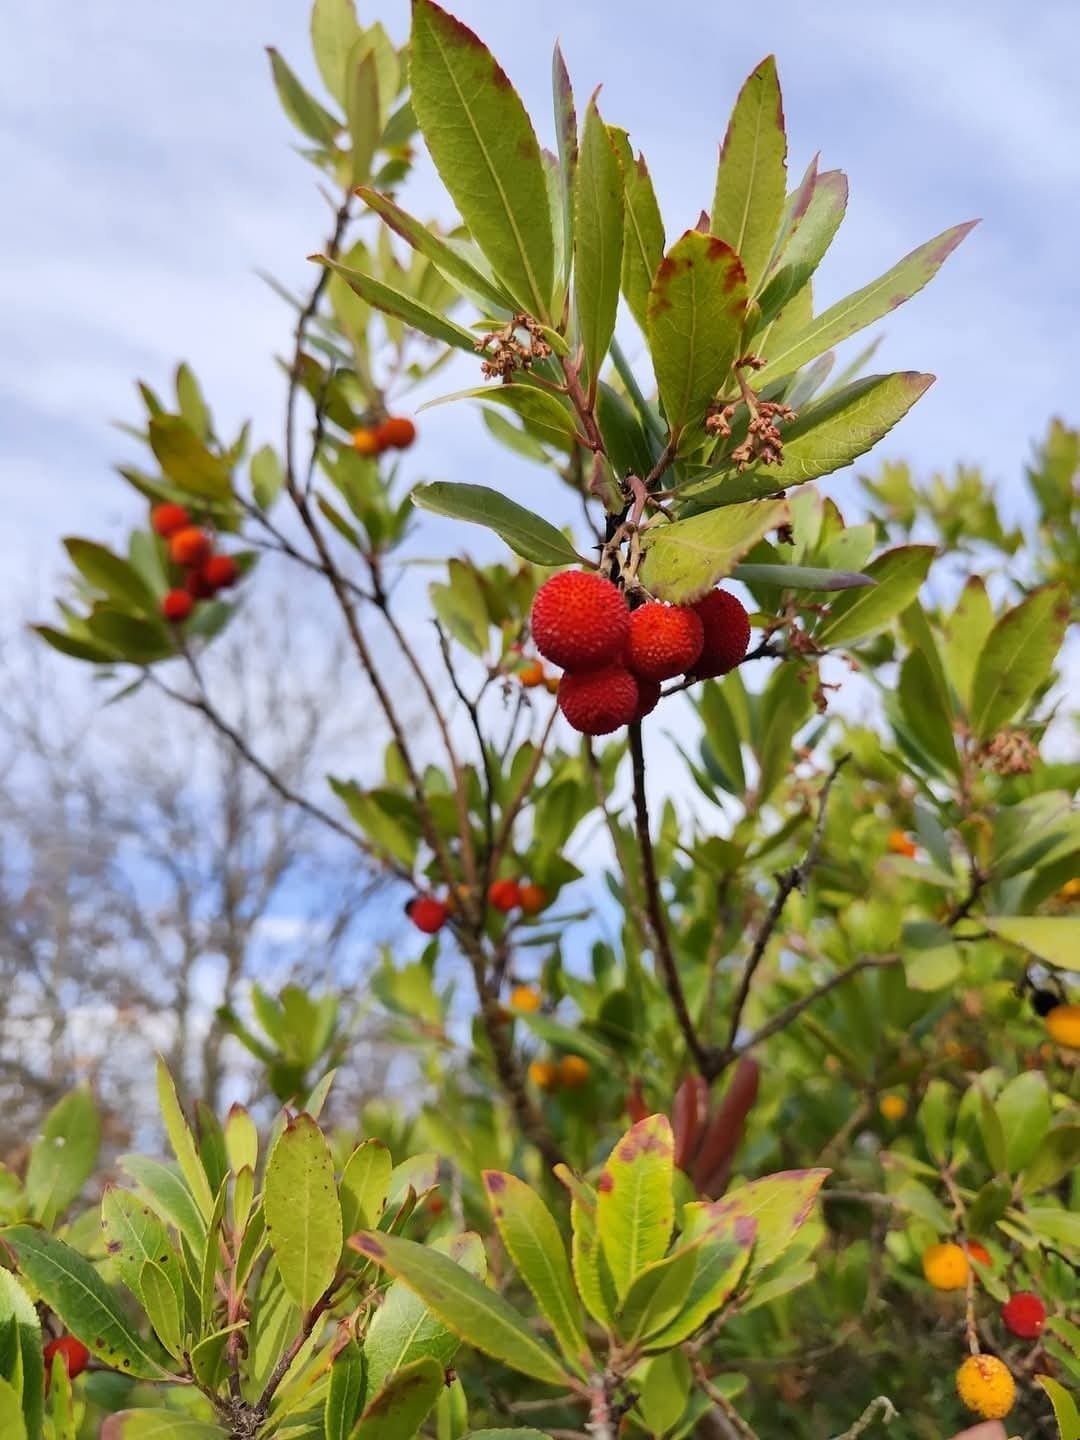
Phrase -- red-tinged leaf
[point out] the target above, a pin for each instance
(566, 135)
(1017, 659)
(635, 1208)
(598, 240)
(779, 1205)
(751, 178)
(643, 239)
(800, 252)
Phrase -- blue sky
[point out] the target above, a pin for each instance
(147, 172)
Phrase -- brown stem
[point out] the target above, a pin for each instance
(654, 905)
(280, 1370)
(791, 1012)
(641, 920)
(723, 1404)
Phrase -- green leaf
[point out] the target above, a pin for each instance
(486, 152)
(687, 558)
(140, 642)
(12, 1423)
(828, 436)
(365, 1185)
(934, 1119)
(566, 138)
(532, 1240)
(898, 574)
(1053, 938)
(134, 1235)
(402, 1405)
(965, 633)
(924, 713)
(779, 1205)
(302, 108)
(1065, 1408)
(241, 1140)
(450, 262)
(635, 1208)
(720, 1261)
(162, 1307)
(751, 179)
(696, 308)
(598, 240)
(182, 1141)
(527, 534)
(663, 1395)
(542, 413)
(404, 1329)
(185, 459)
(656, 1295)
(801, 577)
(1017, 658)
(21, 1347)
(303, 1213)
(334, 32)
(170, 1195)
(786, 703)
(74, 647)
(158, 1425)
(363, 110)
(1023, 1107)
(591, 1273)
(394, 302)
(346, 1393)
(1057, 1156)
(112, 575)
(643, 236)
(479, 1316)
(71, 1286)
(64, 1156)
(862, 308)
(786, 301)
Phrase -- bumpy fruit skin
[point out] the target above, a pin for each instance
(504, 895)
(544, 1075)
(573, 1072)
(945, 1266)
(901, 844)
(893, 1107)
(648, 698)
(197, 585)
(189, 546)
(664, 641)
(73, 1352)
(166, 519)
(596, 702)
(1063, 1025)
(1024, 1314)
(396, 433)
(427, 913)
(525, 999)
(580, 620)
(531, 675)
(534, 898)
(220, 571)
(986, 1387)
(177, 606)
(727, 634)
(366, 442)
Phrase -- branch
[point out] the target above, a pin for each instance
(881, 1408)
(783, 1018)
(280, 1370)
(793, 879)
(654, 905)
(723, 1404)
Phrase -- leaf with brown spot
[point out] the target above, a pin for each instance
(402, 1405)
(751, 177)
(635, 1208)
(777, 1205)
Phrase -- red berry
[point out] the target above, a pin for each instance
(595, 702)
(189, 546)
(1024, 1314)
(727, 634)
(396, 433)
(220, 571)
(664, 641)
(504, 895)
(427, 913)
(533, 899)
(197, 585)
(580, 620)
(177, 606)
(648, 697)
(73, 1352)
(168, 518)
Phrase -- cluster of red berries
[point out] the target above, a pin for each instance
(430, 914)
(191, 550)
(396, 432)
(614, 659)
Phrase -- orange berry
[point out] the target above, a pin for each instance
(504, 895)
(986, 1387)
(946, 1266)
(893, 1107)
(574, 1071)
(1070, 890)
(580, 620)
(177, 606)
(978, 1252)
(365, 441)
(168, 518)
(543, 1074)
(427, 913)
(395, 433)
(901, 844)
(73, 1352)
(525, 999)
(1063, 1025)
(220, 571)
(533, 899)
(531, 675)
(189, 546)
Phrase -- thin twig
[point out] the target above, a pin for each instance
(723, 1404)
(783, 1018)
(880, 1408)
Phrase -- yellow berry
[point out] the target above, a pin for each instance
(543, 1074)
(986, 1387)
(1063, 1025)
(573, 1071)
(893, 1107)
(551, 684)
(1070, 890)
(524, 997)
(945, 1266)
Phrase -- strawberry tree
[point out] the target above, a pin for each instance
(826, 981)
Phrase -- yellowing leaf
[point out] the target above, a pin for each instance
(635, 1208)
(685, 559)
